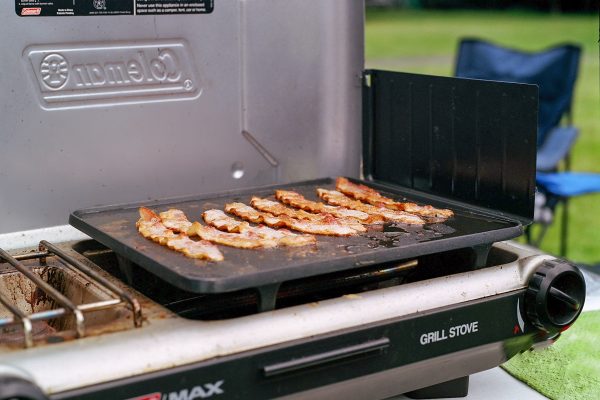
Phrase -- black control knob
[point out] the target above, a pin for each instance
(555, 295)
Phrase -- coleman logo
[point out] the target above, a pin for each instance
(196, 393)
(31, 11)
(139, 69)
(92, 75)
(54, 71)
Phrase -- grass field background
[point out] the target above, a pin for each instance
(425, 42)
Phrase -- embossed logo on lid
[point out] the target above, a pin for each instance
(80, 75)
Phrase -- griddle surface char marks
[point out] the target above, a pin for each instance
(373, 197)
(248, 213)
(336, 198)
(152, 227)
(284, 237)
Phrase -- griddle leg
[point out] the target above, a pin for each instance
(454, 388)
(481, 255)
(126, 267)
(267, 297)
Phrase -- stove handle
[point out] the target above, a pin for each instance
(364, 349)
(13, 388)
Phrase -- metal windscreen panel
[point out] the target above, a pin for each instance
(470, 140)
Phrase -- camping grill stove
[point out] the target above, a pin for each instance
(392, 329)
(247, 94)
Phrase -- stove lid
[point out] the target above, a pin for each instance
(469, 140)
(157, 106)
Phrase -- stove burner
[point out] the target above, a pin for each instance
(48, 301)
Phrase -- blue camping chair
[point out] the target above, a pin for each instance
(554, 71)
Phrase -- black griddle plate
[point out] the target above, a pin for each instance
(114, 226)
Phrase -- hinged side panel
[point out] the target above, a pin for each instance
(469, 140)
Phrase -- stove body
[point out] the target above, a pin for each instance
(122, 108)
(376, 343)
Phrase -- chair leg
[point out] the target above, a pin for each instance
(564, 228)
(537, 242)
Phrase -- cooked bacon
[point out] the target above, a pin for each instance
(279, 210)
(296, 200)
(176, 220)
(250, 214)
(339, 199)
(372, 196)
(224, 222)
(285, 237)
(315, 227)
(151, 227)
(195, 249)
(238, 240)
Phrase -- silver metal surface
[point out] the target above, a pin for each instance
(153, 106)
(30, 238)
(17, 315)
(175, 341)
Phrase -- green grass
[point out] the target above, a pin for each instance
(425, 42)
(569, 369)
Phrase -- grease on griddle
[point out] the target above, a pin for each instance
(399, 235)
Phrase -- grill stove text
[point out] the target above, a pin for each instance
(453, 332)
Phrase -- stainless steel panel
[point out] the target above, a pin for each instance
(287, 72)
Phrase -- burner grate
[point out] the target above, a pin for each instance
(66, 306)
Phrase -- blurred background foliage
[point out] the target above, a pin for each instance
(538, 5)
(422, 37)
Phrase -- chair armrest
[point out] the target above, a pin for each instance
(556, 147)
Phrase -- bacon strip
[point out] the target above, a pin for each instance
(241, 241)
(373, 197)
(315, 227)
(224, 222)
(195, 249)
(176, 220)
(238, 240)
(279, 210)
(339, 199)
(151, 227)
(296, 200)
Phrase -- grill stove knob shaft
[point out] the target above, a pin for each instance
(555, 295)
